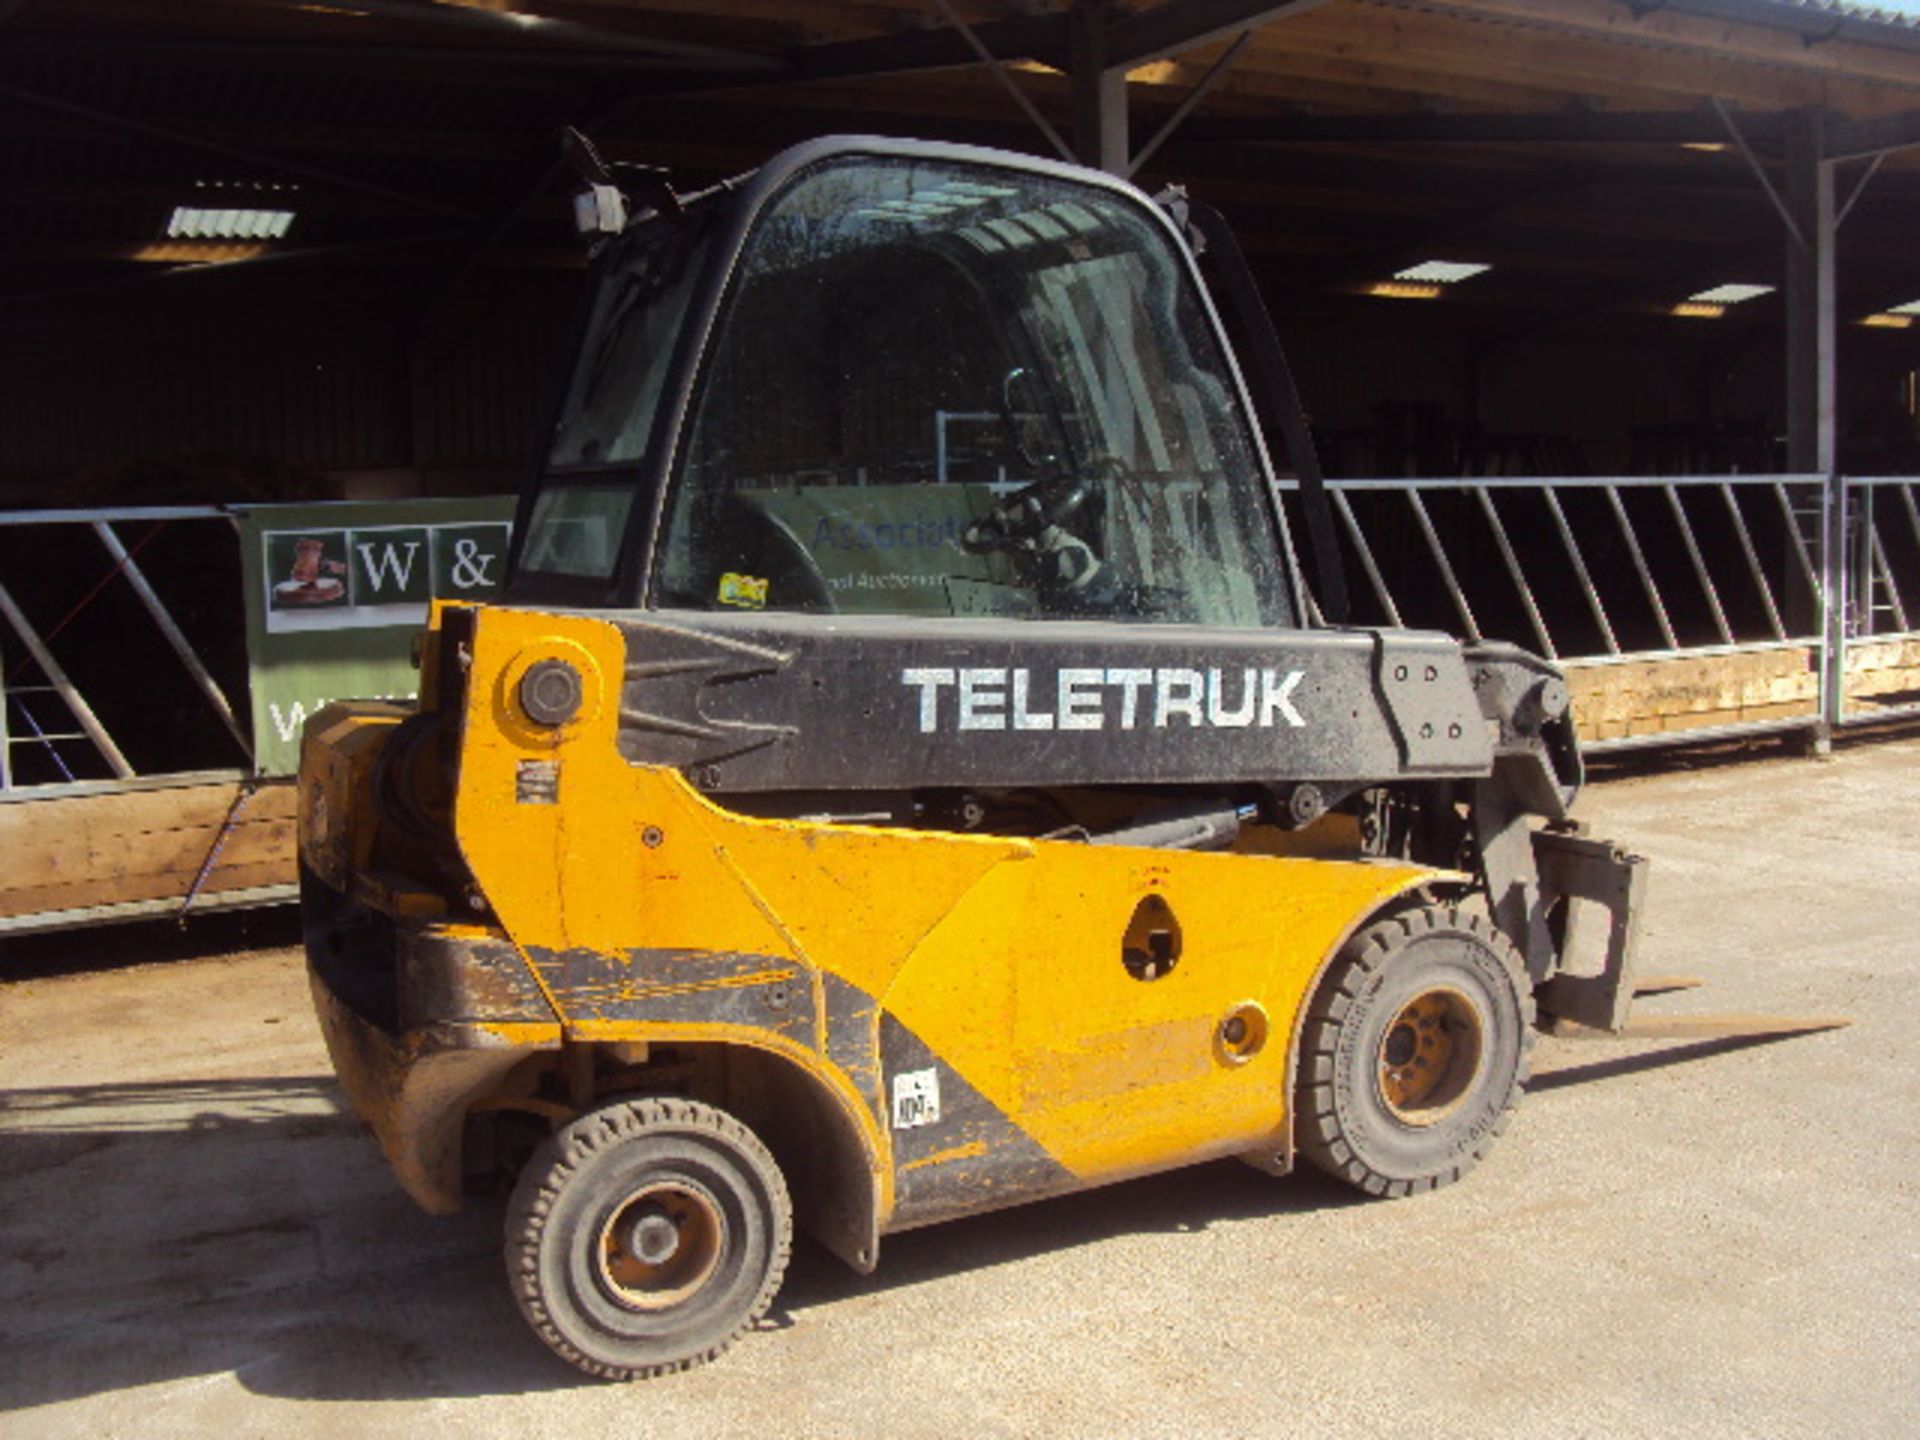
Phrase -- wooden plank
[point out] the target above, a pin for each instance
(1883, 667)
(116, 890)
(1461, 50)
(139, 811)
(82, 851)
(1786, 710)
(160, 852)
(1648, 26)
(1614, 701)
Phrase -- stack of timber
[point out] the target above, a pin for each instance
(1616, 699)
(144, 848)
(1883, 669)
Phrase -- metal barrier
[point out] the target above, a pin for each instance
(43, 711)
(1603, 574)
(1881, 517)
(1613, 573)
(156, 665)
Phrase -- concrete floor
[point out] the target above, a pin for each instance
(1675, 1239)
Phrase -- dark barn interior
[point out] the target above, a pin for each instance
(1606, 161)
(1606, 315)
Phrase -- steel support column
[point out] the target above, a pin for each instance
(1812, 387)
(1099, 91)
(1809, 203)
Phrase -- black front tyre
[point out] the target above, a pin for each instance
(1414, 1053)
(646, 1235)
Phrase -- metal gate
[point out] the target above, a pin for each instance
(1795, 595)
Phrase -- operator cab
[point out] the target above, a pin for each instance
(905, 379)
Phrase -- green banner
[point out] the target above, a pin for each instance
(885, 549)
(336, 592)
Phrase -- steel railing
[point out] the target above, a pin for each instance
(42, 709)
(1878, 583)
(1591, 571)
(1803, 562)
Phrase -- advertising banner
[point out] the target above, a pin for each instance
(336, 592)
(885, 549)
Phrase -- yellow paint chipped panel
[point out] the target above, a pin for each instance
(535, 1035)
(1107, 1066)
(1003, 956)
(941, 1157)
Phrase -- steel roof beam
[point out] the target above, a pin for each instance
(999, 72)
(1857, 139)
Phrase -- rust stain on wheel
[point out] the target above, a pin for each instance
(660, 1245)
(1430, 1055)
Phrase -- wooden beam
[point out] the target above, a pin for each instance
(1576, 127)
(1298, 83)
(1176, 25)
(1038, 37)
(82, 851)
(1448, 47)
(1883, 55)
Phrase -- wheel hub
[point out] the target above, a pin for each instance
(1430, 1055)
(652, 1238)
(660, 1245)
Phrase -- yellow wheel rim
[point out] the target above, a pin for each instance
(1430, 1055)
(660, 1246)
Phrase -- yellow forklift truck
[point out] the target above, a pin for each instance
(908, 773)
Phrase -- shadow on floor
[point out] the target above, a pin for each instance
(168, 1232)
(1616, 1066)
(194, 936)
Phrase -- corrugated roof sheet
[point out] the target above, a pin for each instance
(1903, 14)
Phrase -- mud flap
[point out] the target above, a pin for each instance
(1598, 889)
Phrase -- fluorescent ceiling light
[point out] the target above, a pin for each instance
(1912, 307)
(1441, 272)
(1698, 310)
(1729, 294)
(198, 222)
(1402, 290)
(1888, 321)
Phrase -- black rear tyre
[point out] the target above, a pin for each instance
(1414, 1053)
(647, 1235)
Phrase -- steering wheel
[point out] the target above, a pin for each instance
(1021, 520)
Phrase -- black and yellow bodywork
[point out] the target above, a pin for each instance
(626, 915)
(868, 847)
